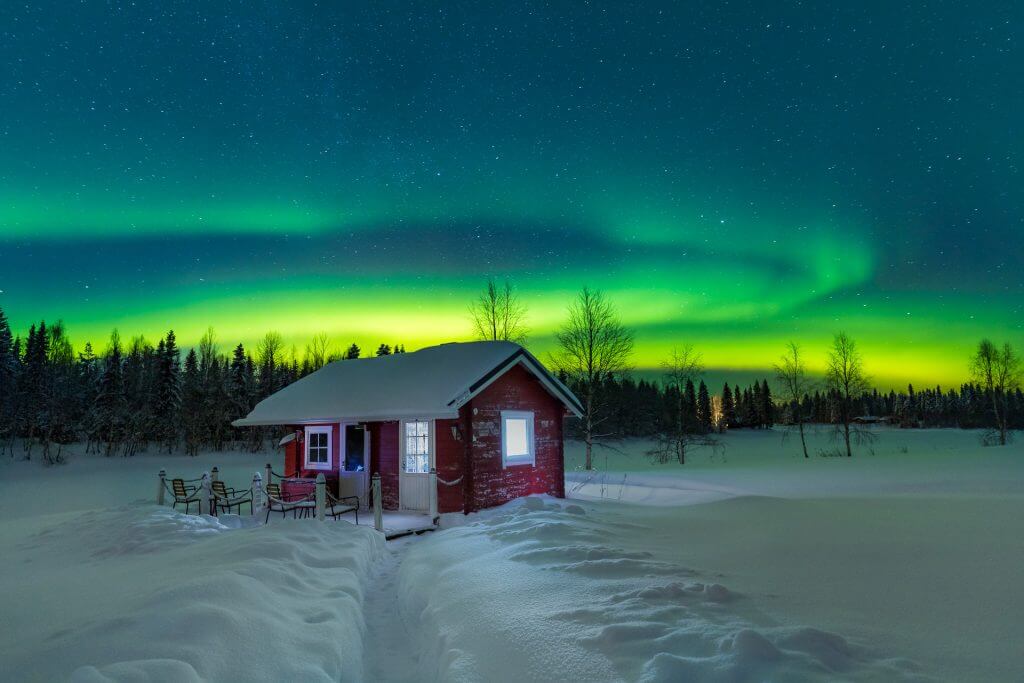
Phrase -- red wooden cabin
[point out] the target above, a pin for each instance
(487, 415)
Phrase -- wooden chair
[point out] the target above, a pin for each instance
(276, 503)
(182, 493)
(223, 492)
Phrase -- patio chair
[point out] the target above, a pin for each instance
(336, 507)
(275, 503)
(182, 494)
(224, 497)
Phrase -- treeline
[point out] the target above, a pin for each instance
(642, 408)
(135, 395)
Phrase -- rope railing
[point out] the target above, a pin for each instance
(308, 498)
(341, 500)
(232, 502)
(455, 482)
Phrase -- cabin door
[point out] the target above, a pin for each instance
(416, 457)
(354, 461)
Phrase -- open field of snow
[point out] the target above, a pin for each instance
(902, 565)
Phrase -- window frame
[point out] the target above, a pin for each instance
(318, 429)
(531, 439)
(403, 445)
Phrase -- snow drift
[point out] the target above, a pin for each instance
(147, 593)
(566, 600)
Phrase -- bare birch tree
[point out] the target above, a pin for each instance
(998, 371)
(318, 351)
(593, 345)
(846, 378)
(683, 367)
(498, 314)
(791, 372)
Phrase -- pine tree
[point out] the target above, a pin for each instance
(139, 392)
(767, 411)
(750, 415)
(353, 352)
(88, 380)
(728, 408)
(758, 405)
(32, 387)
(704, 409)
(60, 401)
(383, 350)
(8, 379)
(240, 384)
(191, 401)
(167, 399)
(110, 406)
(690, 406)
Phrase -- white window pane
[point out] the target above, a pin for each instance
(517, 440)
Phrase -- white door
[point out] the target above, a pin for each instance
(353, 462)
(416, 457)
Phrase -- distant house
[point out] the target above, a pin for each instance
(872, 420)
(487, 415)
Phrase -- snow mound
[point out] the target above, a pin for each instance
(573, 603)
(147, 593)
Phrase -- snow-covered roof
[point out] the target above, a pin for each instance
(430, 383)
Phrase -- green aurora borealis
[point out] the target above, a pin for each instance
(733, 176)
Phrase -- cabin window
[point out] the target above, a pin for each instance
(517, 447)
(417, 447)
(318, 448)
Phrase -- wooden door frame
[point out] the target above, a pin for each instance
(431, 458)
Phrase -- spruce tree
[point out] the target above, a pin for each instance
(110, 408)
(8, 379)
(383, 350)
(192, 404)
(728, 408)
(167, 399)
(689, 417)
(240, 384)
(767, 407)
(704, 409)
(353, 352)
(758, 405)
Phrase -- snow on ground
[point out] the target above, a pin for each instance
(99, 586)
(543, 591)
(901, 565)
(771, 463)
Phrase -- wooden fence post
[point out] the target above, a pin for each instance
(205, 495)
(215, 473)
(257, 494)
(321, 495)
(266, 477)
(162, 489)
(432, 483)
(378, 508)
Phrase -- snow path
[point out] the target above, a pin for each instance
(389, 650)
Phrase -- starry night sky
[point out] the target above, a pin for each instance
(733, 175)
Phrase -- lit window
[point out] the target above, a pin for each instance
(417, 447)
(318, 447)
(517, 438)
